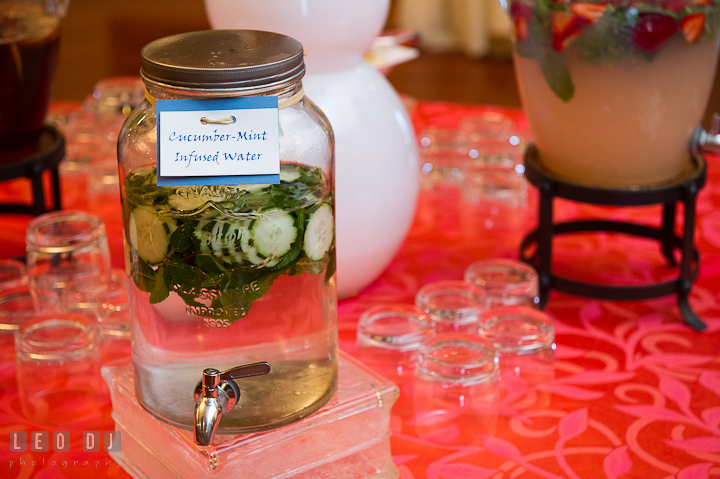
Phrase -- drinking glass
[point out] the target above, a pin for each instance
(496, 173)
(444, 156)
(63, 246)
(57, 368)
(524, 339)
(506, 282)
(104, 300)
(12, 274)
(114, 98)
(18, 305)
(455, 390)
(491, 128)
(390, 336)
(452, 306)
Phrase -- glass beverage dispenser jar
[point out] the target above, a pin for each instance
(229, 270)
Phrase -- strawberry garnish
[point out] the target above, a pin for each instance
(692, 26)
(565, 29)
(590, 12)
(519, 9)
(522, 31)
(673, 5)
(521, 13)
(653, 29)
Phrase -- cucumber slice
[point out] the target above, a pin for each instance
(144, 171)
(319, 233)
(149, 234)
(274, 235)
(251, 255)
(289, 175)
(222, 239)
(252, 188)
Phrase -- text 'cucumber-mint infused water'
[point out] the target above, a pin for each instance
(224, 275)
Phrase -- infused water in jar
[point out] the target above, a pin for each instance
(228, 269)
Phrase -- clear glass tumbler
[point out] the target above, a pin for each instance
(390, 336)
(19, 305)
(455, 390)
(63, 246)
(524, 339)
(104, 300)
(506, 282)
(12, 274)
(57, 368)
(452, 306)
(497, 173)
(445, 156)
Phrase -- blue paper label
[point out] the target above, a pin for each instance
(232, 141)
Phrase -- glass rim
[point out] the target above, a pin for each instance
(540, 335)
(12, 319)
(460, 315)
(421, 328)
(77, 344)
(482, 367)
(36, 240)
(528, 273)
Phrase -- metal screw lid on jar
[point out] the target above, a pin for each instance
(222, 60)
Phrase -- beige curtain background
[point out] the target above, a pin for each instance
(467, 25)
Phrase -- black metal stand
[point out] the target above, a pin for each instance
(31, 162)
(683, 190)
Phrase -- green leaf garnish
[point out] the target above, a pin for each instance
(557, 74)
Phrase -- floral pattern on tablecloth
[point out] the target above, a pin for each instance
(636, 392)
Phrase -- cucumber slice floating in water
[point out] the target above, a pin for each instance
(274, 235)
(149, 234)
(222, 239)
(289, 175)
(319, 233)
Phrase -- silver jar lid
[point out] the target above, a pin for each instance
(222, 60)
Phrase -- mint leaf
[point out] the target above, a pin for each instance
(182, 237)
(557, 74)
(209, 265)
(182, 273)
(607, 40)
(143, 276)
(307, 266)
(161, 289)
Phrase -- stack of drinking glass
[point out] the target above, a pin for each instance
(465, 349)
(483, 157)
(68, 314)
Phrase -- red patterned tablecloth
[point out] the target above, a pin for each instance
(636, 392)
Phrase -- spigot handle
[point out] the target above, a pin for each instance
(246, 371)
(216, 394)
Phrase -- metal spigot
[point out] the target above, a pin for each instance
(216, 394)
(707, 141)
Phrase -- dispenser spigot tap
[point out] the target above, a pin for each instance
(216, 394)
(707, 141)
